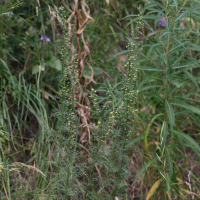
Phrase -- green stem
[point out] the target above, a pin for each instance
(166, 77)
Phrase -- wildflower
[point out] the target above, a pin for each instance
(45, 38)
(10, 13)
(126, 190)
(30, 31)
(163, 21)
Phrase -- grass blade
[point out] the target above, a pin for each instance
(153, 189)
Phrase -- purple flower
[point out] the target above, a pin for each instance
(10, 13)
(30, 31)
(45, 38)
(126, 190)
(163, 21)
(20, 22)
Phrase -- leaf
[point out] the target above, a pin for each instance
(190, 76)
(147, 132)
(193, 47)
(170, 162)
(35, 69)
(2, 135)
(164, 132)
(170, 113)
(97, 71)
(188, 107)
(189, 192)
(149, 87)
(189, 141)
(142, 170)
(137, 139)
(187, 66)
(153, 189)
(153, 40)
(131, 21)
(152, 4)
(148, 68)
(55, 63)
(117, 54)
(178, 85)
(174, 89)
(159, 98)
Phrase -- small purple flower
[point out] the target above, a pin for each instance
(20, 22)
(45, 38)
(118, 162)
(30, 31)
(33, 30)
(126, 190)
(10, 13)
(163, 21)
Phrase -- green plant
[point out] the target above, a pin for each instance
(97, 169)
(110, 120)
(167, 68)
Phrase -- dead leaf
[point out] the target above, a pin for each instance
(153, 189)
(107, 1)
(189, 192)
(84, 134)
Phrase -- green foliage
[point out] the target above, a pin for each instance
(159, 69)
(144, 128)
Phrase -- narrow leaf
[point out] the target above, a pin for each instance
(189, 141)
(188, 107)
(142, 170)
(147, 133)
(170, 162)
(170, 113)
(137, 139)
(190, 76)
(148, 68)
(153, 189)
(163, 139)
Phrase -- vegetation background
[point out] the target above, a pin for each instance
(99, 99)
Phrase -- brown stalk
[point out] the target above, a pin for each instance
(4, 187)
(81, 18)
